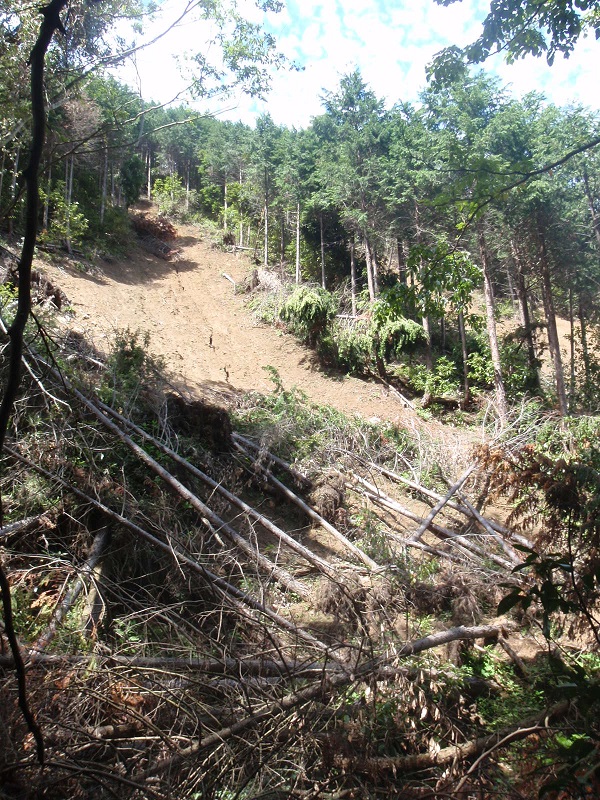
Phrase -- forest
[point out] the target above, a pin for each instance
(268, 597)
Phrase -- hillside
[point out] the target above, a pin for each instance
(210, 341)
(201, 619)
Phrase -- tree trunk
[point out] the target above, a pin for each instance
(585, 352)
(465, 359)
(282, 244)
(590, 199)
(187, 189)
(553, 340)
(266, 213)
(323, 281)
(491, 327)
(149, 173)
(401, 262)
(225, 209)
(572, 347)
(525, 317)
(2, 175)
(298, 271)
(13, 188)
(374, 268)
(353, 277)
(69, 197)
(370, 282)
(46, 213)
(104, 182)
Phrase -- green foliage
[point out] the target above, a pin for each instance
(520, 28)
(391, 331)
(555, 483)
(170, 194)
(443, 279)
(518, 379)
(308, 311)
(442, 381)
(210, 201)
(67, 225)
(296, 429)
(130, 368)
(133, 177)
(114, 234)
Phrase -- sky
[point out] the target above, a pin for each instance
(390, 41)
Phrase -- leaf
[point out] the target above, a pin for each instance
(510, 601)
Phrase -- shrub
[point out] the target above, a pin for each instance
(309, 311)
(170, 195)
(67, 225)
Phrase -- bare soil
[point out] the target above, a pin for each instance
(212, 344)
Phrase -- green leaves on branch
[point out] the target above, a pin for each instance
(519, 28)
(442, 278)
(308, 311)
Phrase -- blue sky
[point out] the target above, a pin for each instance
(390, 42)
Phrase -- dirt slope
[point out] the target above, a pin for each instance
(210, 341)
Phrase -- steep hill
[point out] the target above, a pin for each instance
(202, 328)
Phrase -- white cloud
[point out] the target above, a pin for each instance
(391, 43)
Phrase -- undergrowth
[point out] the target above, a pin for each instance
(290, 425)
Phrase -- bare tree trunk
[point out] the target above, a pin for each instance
(282, 244)
(370, 283)
(426, 322)
(553, 340)
(323, 278)
(491, 327)
(572, 347)
(46, 217)
(298, 272)
(149, 173)
(104, 182)
(374, 268)
(353, 277)
(225, 208)
(465, 359)
(590, 199)
(69, 197)
(266, 214)
(187, 190)
(521, 289)
(2, 175)
(13, 188)
(585, 350)
(401, 261)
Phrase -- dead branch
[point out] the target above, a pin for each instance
(459, 752)
(514, 557)
(206, 513)
(463, 507)
(285, 538)
(236, 596)
(321, 690)
(310, 512)
(19, 525)
(96, 551)
(375, 495)
(296, 475)
(441, 503)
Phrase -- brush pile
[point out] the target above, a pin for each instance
(201, 618)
